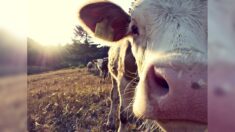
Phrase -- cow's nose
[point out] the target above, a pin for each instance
(157, 82)
(178, 93)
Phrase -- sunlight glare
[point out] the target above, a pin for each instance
(52, 22)
(14, 17)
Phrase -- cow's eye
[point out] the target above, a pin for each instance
(134, 30)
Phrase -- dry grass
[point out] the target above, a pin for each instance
(67, 100)
(70, 100)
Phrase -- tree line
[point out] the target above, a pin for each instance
(52, 57)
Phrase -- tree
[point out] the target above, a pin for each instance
(82, 34)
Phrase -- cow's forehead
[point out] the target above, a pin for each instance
(146, 12)
(140, 12)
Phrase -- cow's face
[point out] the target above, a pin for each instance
(169, 42)
(170, 46)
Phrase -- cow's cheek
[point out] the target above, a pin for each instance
(221, 95)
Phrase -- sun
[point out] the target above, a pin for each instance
(52, 22)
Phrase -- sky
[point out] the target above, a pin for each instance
(52, 22)
(14, 17)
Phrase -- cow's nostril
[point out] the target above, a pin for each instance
(157, 83)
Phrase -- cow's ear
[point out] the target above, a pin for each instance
(106, 20)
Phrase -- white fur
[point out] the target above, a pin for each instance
(170, 31)
(158, 20)
(221, 31)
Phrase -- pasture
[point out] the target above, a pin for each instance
(68, 100)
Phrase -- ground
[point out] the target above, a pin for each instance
(68, 100)
(13, 103)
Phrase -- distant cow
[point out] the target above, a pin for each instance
(169, 44)
(90, 66)
(102, 66)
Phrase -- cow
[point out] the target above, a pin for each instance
(102, 67)
(90, 66)
(168, 41)
(123, 70)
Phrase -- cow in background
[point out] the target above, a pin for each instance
(123, 70)
(90, 66)
(102, 67)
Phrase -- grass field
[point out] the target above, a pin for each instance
(68, 100)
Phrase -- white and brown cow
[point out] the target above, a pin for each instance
(102, 67)
(169, 43)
